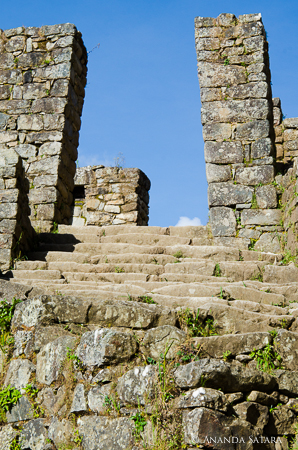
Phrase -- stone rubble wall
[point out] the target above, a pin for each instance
(42, 79)
(93, 367)
(16, 232)
(110, 196)
(237, 118)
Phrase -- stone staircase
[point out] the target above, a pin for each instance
(130, 295)
(244, 290)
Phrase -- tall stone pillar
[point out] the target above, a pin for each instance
(237, 118)
(42, 80)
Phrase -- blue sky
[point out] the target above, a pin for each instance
(142, 97)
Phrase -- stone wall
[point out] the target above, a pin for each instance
(42, 80)
(237, 118)
(16, 232)
(110, 196)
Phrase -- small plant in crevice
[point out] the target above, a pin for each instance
(227, 355)
(119, 161)
(32, 392)
(79, 365)
(119, 269)
(187, 353)
(178, 254)
(146, 299)
(195, 325)
(259, 276)
(267, 358)
(15, 444)
(6, 315)
(55, 228)
(111, 404)
(254, 203)
(9, 397)
(140, 423)
(217, 271)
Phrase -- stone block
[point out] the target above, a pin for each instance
(32, 122)
(223, 152)
(261, 148)
(252, 131)
(26, 150)
(291, 122)
(225, 194)
(235, 111)
(217, 173)
(211, 75)
(269, 242)
(217, 131)
(266, 197)
(251, 176)
(223, 221)
(261, 217)
(248, 90)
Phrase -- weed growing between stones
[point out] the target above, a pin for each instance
(267, 358)
(259, 276)
(289, 257)
(178, 254)
(119, 269)
(217, 271)
(194, 325)
(15, 444)
(32, 394)
(77, 362)
(9, 397)
(6, 315)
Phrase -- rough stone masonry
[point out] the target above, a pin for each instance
(42, 79)
(237, 118)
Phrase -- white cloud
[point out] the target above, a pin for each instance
(186, 222)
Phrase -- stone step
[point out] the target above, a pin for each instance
(40, 282)
(77, 257)
(145, 239)
(149, 269)
(133, 258)
(191, 278)
(109, 277)
(53, 238)
(198, 268)
(191, 232)
(36, 274)
(242, 270)
(69, 248)
(113, 230)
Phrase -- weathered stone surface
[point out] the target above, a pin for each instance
(261, 148)
(104, 347)
(79, 402)
(261, 217)
(217, 131)
(34, 435)
(287, 381)
(23, 410)
(286, 344)
(61, 433)
(269, 242)
(223, 152)
(129, 314)
(280, 275)
(223, 221)
(157, 340)
(211, 75)
(202, 422)
(235, 111)
(254, 413)
(217, 173)
(50, 309)
(53, 403)
(215, 346)
(219, 374)
(104, 433)
(7, 435)
(251, 176)
(252, 130)
(263, 398)
(203, 397)
(19, 373)
(266, 197)
(50, 358)
(97, 397)
(224, 194)
(23, 343)
(281, 422)
(137, 385)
